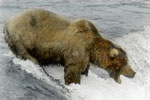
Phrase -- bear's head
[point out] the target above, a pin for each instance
(112, 58)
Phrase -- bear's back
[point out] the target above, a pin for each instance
(37, 20)
(37, 26)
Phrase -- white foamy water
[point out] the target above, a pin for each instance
(96, 87)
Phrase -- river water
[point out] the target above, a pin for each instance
(125, 22)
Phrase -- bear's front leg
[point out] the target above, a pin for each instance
(72, 74)
(86, 71)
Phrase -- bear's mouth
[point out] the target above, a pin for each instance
(118, 80)
(115, 76)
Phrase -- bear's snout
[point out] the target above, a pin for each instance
(131, 75)
(128, 71)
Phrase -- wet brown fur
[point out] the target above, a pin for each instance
(46, 38)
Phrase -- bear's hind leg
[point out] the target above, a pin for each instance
(28, 56)
(24, 53)
(21, 51)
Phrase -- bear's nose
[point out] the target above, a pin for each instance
(134, 74)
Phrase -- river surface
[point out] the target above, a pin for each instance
(125, 22)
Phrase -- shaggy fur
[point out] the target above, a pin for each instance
(46, 38)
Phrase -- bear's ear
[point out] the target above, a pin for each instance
(113, 52)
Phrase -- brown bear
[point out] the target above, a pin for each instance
(46, 38)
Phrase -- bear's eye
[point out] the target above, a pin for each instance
(112, 58)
